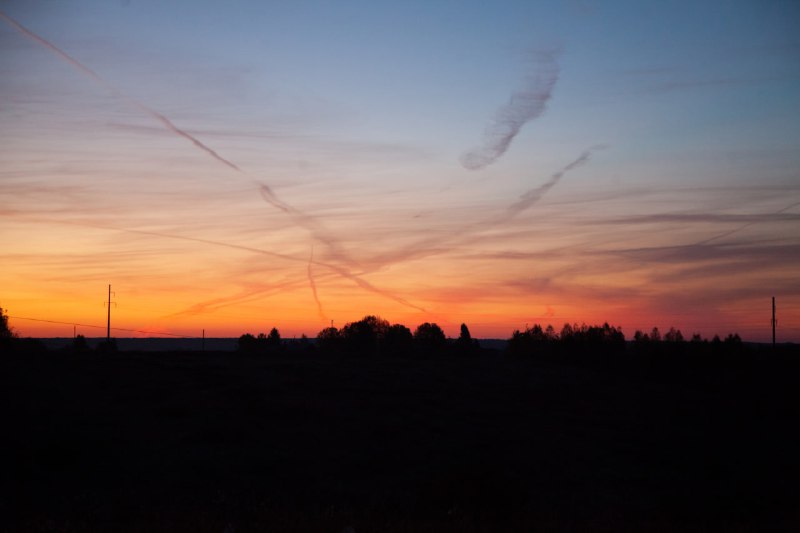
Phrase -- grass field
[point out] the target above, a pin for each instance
(220, 442)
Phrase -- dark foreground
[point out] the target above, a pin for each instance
(224, 443)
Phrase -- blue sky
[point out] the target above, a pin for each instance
(358, 116)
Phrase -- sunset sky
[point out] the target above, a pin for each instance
(238, 165)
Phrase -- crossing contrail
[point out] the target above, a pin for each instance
(341, 272)
(301, 219)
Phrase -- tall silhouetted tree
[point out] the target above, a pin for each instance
(464, 335)
(429, 338)
(465, 344)
(273, 339)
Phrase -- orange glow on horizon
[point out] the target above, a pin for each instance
(285, 187)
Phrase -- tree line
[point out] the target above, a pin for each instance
(370, 336)
(373, 336)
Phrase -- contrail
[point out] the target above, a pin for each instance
(247, 295)
(743, 226)
(299, 218)
(313, 286)
(522, 107)
(369, 287)
(356, 279)
(167, 123)
(534, 195)
(305, 221)
(466, 233)
(334, 268)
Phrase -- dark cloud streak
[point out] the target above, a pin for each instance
(523, 106)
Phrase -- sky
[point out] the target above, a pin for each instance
(242, 165)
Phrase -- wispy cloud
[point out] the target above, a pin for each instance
(524, 105)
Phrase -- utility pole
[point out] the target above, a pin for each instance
(774, 323)
(203, 345)
(108, 322)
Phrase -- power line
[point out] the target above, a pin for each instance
(101, 327)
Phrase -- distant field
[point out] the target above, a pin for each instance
(219, 442)
(218, 344)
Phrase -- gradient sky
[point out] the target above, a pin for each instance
(234, 166)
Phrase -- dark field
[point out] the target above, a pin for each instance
(223, 443)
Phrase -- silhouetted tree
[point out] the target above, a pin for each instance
(7, 334)
(273, 341)
(655, 335)
(429, 338)
(12, 343)
(329, 340)
(248, 344)
(574, 339)
(673, 335)
(733, 338)
(464, 335)
(535, 340)
(465, 344)
(365, 336)
(261, 344)
(398, 340)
